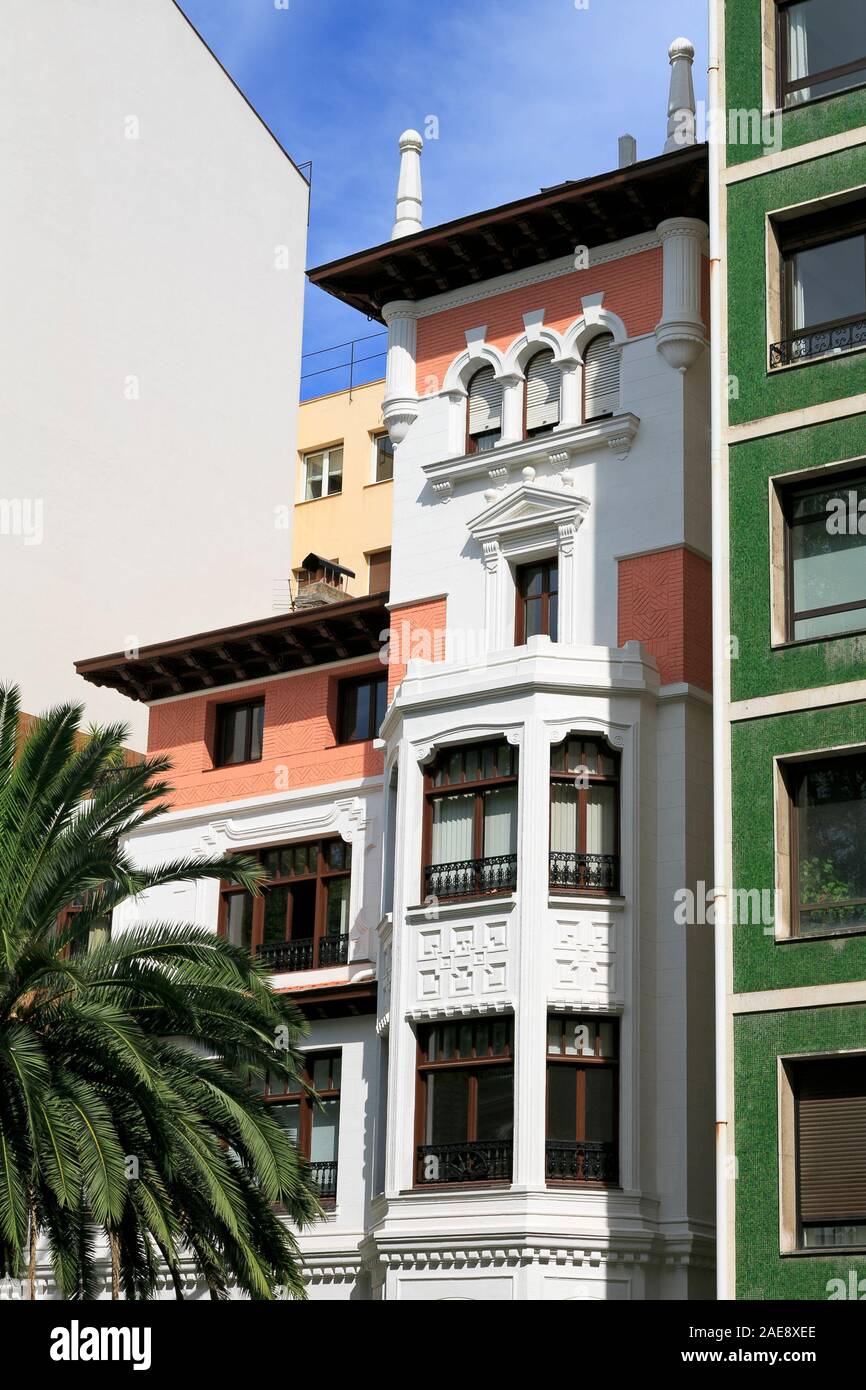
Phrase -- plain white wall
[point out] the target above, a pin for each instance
(152, 258)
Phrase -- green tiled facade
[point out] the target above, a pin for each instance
(758, 670)
(759, 1039)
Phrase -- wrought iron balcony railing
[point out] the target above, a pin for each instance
(582, 1161)
(599, 872)
(324, 1176)
(471, 878)
(484, 1160)
(301, 954)
(819, 342)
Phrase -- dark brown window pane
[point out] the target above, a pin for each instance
(830, 833)
(600, 1100)
(239, 915)
(276, 911)
(562, 1104)
(447, 1107)
(495, 1103)
(239, 733)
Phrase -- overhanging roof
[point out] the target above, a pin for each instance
(272, 646)
(550, 224)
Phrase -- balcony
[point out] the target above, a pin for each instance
(819, 342)
(286, 956)
(582, 1161)
(596, 873)
(471, 878)
(324, 1177)
(485, 1160)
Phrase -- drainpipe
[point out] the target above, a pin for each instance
(717, 133)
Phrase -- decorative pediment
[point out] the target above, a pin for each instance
(526, 510)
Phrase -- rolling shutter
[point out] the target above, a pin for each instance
(485, 402)
(543, 379)
(831, 1140)
(602, 377)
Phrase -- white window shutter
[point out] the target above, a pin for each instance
(485, 402)
(543, 379)
(602, 377)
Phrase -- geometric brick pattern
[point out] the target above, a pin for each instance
(665, 602)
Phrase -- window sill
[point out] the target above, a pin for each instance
(825, 1252)
(470, 901)
(614, 431)
(378, 482)
(794, 642)
(790, 940)
(817, 101)
(562, 897)
(227, 767)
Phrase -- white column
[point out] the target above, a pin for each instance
(512, 409)
(571, 394)
(493, 563)
(400, 406)
(530, 1037)
(567, 579)
(408, 212)
(681, 334)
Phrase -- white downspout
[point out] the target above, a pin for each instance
(717, 133)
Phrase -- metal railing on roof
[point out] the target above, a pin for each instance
(352, 364)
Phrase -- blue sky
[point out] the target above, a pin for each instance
(526, 93)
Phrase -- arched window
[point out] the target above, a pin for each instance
(543, 380)
(484, 426)
(601, 378)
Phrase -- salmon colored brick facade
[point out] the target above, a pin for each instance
(665, 602)
(417, 629)
(632, 289)
(300, 746)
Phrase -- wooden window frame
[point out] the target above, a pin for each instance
(471, 439)
(787, 497)
(306, 1099)
(614, 780)
(326, 451)
(793, 773)
(548, 564)
(322, 877)
(784, 88)
(372, 678)
(793, 1074)
(479, 786)
(222, 712)
(473, 1065)
(581, 1065)
(789, 332)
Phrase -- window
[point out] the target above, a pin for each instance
(537, 601)
(582, 1099)
(484, 408)
(361, 706)
(584, 816)
(312, 1122)
(379, 562)
(98, 935)
(541, 397)
(383, 458)
(826, 556)
(830, 1147)
(821, 49)
(239, 730)
(827, 827)
(471, 822)
(465, 1116)
(601, 378)
(323, 473)
(823, 291)
(301, 919)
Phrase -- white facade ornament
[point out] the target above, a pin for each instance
(681, 100)
(400, 405)
(443, 490)
(681, 333)
(408, 216)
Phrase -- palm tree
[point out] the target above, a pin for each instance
(132, 1066)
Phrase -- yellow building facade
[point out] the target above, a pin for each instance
(343, 487)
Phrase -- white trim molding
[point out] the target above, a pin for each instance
(616, 432)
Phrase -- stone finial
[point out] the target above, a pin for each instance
(681, 101)
(408, 216)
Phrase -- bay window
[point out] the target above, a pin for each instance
(821, 48)
(301, 919)
(311, 1118)
(584, 816)
(471, 821)
(465, 1105)
(582, 1099)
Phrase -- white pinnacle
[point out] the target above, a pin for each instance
(408, 218)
